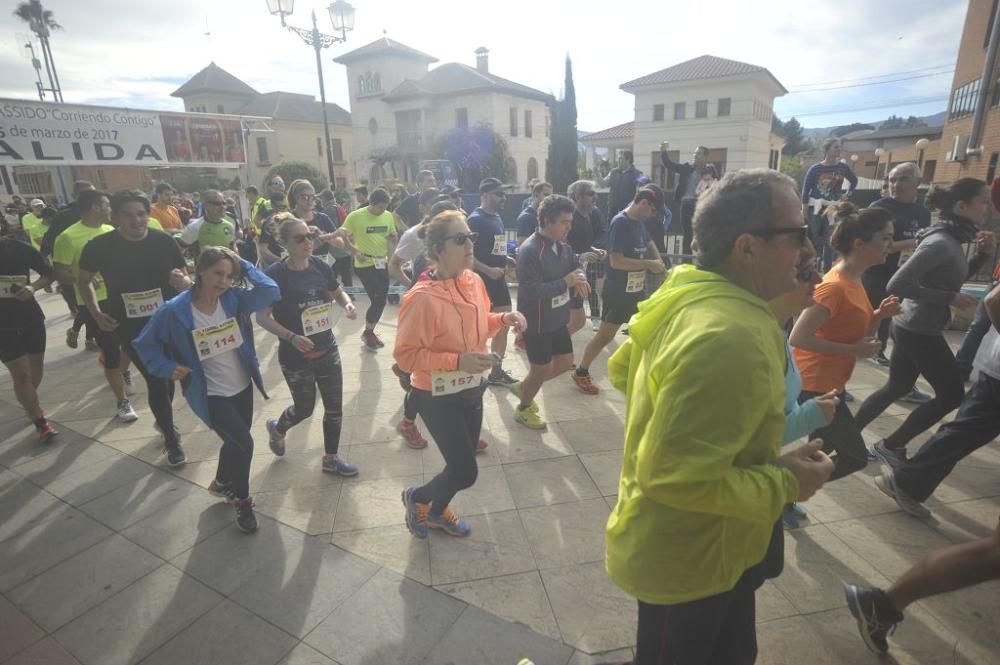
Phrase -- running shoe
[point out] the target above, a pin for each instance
(275, 439)
(416, 513)
(799, 510)
(891, 457)
(127, 380)
(175, 454)
(915, 397)
(449, 522)
(585, 384)
(126, 413)
(91, 344)
(246, 520)
(403, 377)
(72, 338)
(887, 484)
(333, 464)
(498, 377)
(847, 397)
(411, 434)
(874, 614)
(516, 389)
(595, 324)
(45, 432)
(881, 359)
(222, 491)
(789, 518)
(481, 446)
(529, 417)
(371, 340)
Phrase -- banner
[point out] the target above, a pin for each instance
(43, 133)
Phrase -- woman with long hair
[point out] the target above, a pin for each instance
(203, 338)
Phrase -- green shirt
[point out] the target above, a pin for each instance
(371, 235)
(209, 234)
(69, 245)
(35, 228)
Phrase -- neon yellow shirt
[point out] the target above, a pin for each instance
(371, 235)
(35, 228)
(69, 245)
(154, 223)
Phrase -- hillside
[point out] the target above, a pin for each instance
(935, 120)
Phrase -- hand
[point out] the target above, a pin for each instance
(810, 466)
(889, 308)
(25, 293)
(866, 347)
(962, 301)
(474, 363)
(515, 320)
(303, 344)
(496, 273)
(105, 322)
(601, 254)
(179, 373)
(511, 261)
(827, 405)
(664, 146)
(179, 280)
(350, 311)
(656, 266)
(985, 241)
(589, 257)
(578, 280)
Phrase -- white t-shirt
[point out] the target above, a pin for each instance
(410, 245)
(224, 373)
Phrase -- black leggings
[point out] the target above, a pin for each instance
(326, 374)
(342, 266)
(411, 404)
(842, 435)
(875, 287)
(455, 422)
(913, 355)
(376, 283)
(230, 418)
(687, 227)
(159, 394)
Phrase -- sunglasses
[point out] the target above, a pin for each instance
(461, 238)
(300, 238)
(802, 233)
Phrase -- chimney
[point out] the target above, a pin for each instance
(483, 59)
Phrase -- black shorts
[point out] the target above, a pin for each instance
(541, 347)
(618, 309)
(17, 342)
(107, 341)
(575, 302)
(497, 290)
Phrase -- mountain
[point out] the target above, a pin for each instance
(820, 133)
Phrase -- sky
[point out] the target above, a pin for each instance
(135, 54)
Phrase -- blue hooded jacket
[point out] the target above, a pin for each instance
(166, 341)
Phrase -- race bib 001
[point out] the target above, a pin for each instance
(560, 299)
(500, 245)
(636, 282)
(213, 340)
(140, 304)
(11, 284)
(448, 383)
(317, 319)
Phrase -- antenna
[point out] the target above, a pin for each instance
(208, 36)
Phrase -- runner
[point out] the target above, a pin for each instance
(371, 228)
(548, 276)
(412, 209)
(204, 339)
(820, 188)
(632, 254)
(307, 351)
(302, 202)
(142, 268)
(22, 326)
(212, 230)
(491, 261)
(589, 233)
(527, 221)
(929, 283)
(444, 323)
(254, 203)
(163, 210)
(275, 190)
(96, 213)
(32, 223)
(839, 328)
(38, 231)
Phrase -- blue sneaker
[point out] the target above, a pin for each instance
(891, 457)
(275, 439)
(789, 518)
(915, 397)
(449, 522)
(340, 467)
(847, 397)
(416, 514)
(799, 510)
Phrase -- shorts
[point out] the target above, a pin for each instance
(575, 302)
(620, 308)
(497, 290)
(17, 342)
(541, 347)
(107, 341)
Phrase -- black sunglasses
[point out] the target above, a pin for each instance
(301, 238)
(461, 238)
(767, 234)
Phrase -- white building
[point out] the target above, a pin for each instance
(722, 104)
(400, 108)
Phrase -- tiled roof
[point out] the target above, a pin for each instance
(702, 67)
(622, 131)
(455, 78)
(383, 45)
(294, 107)
(213, 79)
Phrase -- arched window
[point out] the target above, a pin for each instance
(361, 85)
(376, 83)
(532, 168)
(373, 126)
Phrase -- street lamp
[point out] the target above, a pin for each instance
(342, 18)
(921, 145)
(878, 159)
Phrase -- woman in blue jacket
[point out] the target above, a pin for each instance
(203, 338)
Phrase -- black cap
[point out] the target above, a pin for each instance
(489, 185)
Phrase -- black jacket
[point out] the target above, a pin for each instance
(65, 218)
(542, 295)
(683, 172)
(622, 185)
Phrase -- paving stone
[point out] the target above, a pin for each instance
(481, 638)
(519, 598)
(391, 546)
(496, 546)
(566, 533)
(593, 614)
(545, 482)
(181, 524)
(138, 499)
(45, 652)
(17, 630)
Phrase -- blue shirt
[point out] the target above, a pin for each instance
(627, 237)
(825, 181)
(490, 228)
(527, 222)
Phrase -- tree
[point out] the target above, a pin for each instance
(561, 169)
(795, 137)
(290, 171)
(843, 130)
(792, 166)
(42, 22)
(477, 152)
(892, 122)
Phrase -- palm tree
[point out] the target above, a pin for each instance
(42, 21)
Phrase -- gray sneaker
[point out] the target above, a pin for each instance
(915, 397)
(887, 485)
(498, 377)
(891, 457)
(126, 413)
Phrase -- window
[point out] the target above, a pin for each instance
(220, 109)
(337, 148)
(462, 118)
(532, 168)
(262, 157)
(369, 84)
(373, 126)
(725, 105)
(989, 27)
(513, 121)
(963, 100)
(319, 146)
(679, 110)
(701, 108)
(528, 131)
(930, 165)
(658, 112)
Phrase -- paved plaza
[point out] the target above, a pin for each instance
(109, 557)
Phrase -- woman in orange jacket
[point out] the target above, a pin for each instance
(444, 323)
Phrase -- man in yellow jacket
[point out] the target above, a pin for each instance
(696, 528)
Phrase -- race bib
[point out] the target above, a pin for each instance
(448, 383)
(500, 245)
(317, 319)
(636, 282)
(213, 340)
(379, 262)
(140, 304)
(560, 299)
(11, 284)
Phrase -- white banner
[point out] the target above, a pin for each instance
(43, 133)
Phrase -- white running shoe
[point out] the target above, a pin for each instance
(126, 413)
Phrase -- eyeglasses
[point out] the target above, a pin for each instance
(462, 238)
(589, 194)
(301, 238)
(767, 234)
